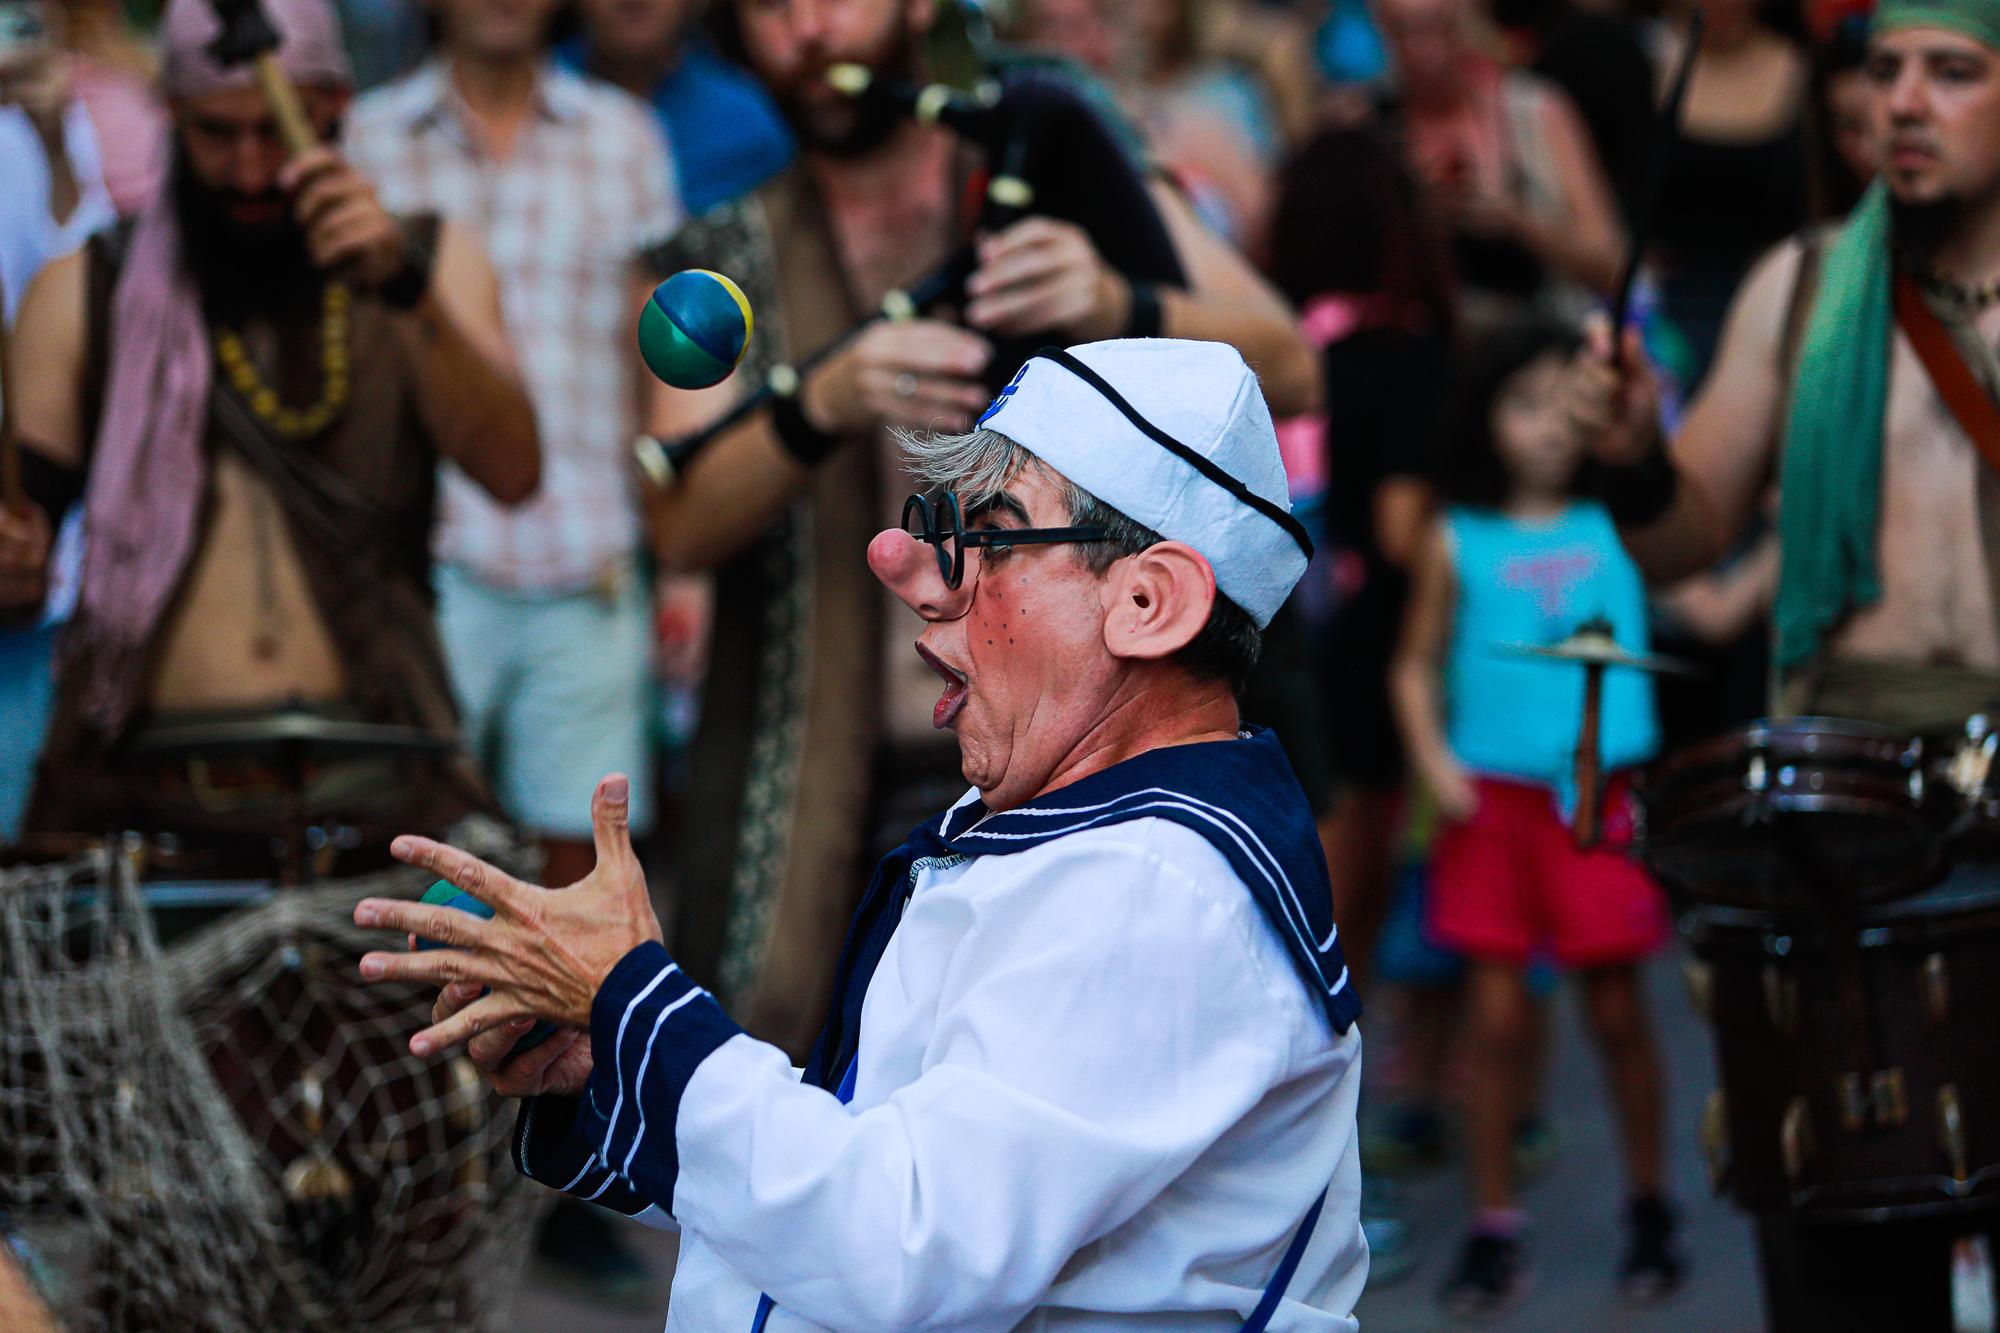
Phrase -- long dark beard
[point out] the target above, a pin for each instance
(240, 270)
(1920, 228)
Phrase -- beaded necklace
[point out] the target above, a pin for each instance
(290, 422)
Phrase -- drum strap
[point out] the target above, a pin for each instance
(1971, 406)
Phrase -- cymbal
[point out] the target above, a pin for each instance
(1593, 647)
(287, 733)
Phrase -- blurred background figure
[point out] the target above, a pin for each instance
(1743, 139)
(1847, 151)
(55, 197)
(1522, 556)
(727, 136)
(544, 608)
(1504, 159)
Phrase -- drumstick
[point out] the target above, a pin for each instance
(1588, 825)
(1649, 194)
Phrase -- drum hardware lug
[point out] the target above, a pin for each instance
(1892, 1098)
(1756, 776)
(1781, 999)
(1971, 762)
(1853, 1101)
(1715, 1139)
(133, 848)
(465, 1101)
(1700, 978)
(1936, 980)
(314, 1176)
(1951, 1130)
(1795, 1139)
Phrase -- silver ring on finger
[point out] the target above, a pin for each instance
(906, 385)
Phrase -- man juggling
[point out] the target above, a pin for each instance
(1091, 1058)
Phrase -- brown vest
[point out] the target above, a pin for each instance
(357, 503)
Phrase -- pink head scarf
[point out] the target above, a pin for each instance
(148, 471)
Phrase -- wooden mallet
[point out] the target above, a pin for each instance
(247, 37)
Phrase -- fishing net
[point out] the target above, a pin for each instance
(229, 1133)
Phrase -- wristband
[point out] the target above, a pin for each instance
(51, 486)
(1142, 320)
(406, 287)
(1638, 493)
(797, 436)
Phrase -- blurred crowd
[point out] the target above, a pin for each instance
(1400, 210)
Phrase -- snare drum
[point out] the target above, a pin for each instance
(1787, 813)
(1857, 1082)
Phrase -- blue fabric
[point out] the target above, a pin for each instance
(27, 692)
(650, 1029)
(1525, 582)
(725, 132)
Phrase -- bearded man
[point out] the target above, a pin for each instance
(1092, 1059)
(815, 747)
(250, 390)
(1861, 370)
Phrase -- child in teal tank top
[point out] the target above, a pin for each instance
(1523, 556)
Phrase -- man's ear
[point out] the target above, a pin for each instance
(1157, 601)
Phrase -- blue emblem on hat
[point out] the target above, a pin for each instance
(1005, 393)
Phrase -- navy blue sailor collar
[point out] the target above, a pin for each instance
(1242, 796)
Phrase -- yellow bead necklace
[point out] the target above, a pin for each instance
(290, 422)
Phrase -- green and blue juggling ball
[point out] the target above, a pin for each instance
(694, 329)
(446, 894)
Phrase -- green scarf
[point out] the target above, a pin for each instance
(1832, 467)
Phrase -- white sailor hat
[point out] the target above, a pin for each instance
(1173, 434)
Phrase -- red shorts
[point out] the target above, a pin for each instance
(1509, 883)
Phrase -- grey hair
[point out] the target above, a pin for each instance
(982, 463)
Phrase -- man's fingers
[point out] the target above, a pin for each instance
(454, 998)
(1026, 234)
(432, 922)
(491, 1048)
(438, 967)
(927, 347)
(301, 170)
(610, 821)
(491, 885)
(1020, 268)
(462, 1026)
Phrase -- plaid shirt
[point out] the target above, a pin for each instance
(565, 217)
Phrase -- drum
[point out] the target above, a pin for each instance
(1856, 1078)
(1789, 813)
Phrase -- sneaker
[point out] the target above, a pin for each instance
(1537, 1144)
(1654, 1267)
(1491, 1278)
(1404, 1138)
(1391, 1258)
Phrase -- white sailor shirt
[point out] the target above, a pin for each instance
(1090, 1092)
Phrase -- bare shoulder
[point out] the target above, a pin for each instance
(46, 358)
(1758, 314)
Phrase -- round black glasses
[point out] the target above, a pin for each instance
(939, 521)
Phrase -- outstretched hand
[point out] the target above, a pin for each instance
(544, 954)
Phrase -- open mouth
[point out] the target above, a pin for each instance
(955, 689)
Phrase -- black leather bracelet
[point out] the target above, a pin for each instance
(53, 487)
(1142, 320)
(407, 287)
(799, 437)
(1638, 493)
